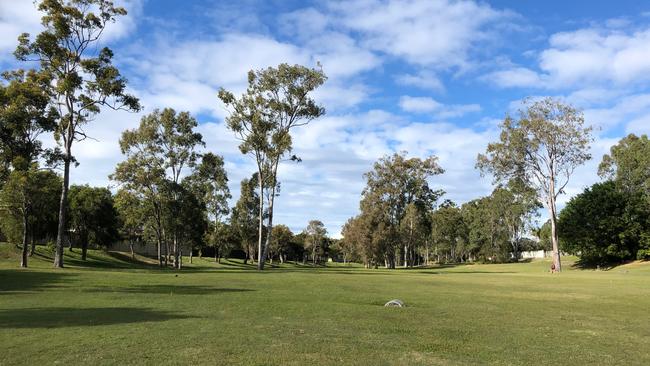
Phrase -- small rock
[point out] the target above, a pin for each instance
(395, 303)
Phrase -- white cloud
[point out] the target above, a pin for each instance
(16, 17)
(423, 80)
(418, 104)
(585, 57)
(629, 108)
(437, 33)
(439, 110)
(515, 77)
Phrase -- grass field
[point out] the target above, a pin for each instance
(108, 311)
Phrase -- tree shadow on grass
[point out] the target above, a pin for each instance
(73, 317)
(583, 264)
(464, 272)
(19, 280)
(168, 289)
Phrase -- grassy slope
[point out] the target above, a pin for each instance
(107, 313)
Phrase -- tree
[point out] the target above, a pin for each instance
(209, 183)
(244, 219)
(542, 149)
(132, 217)
(628, 164)
(347, 245)
(367, 233)
(277, 100)
(282, 237)
(448, 232)
(414, 231)
(516, 205)
(93, 218)
(604, 224)
(395, 183)
(191, 221)
(315, 235)
(84, 79)
(543, 234)
(24, 115)
(157, 153)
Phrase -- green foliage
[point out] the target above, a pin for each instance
(449, 233)
(315, 240)
(131, 214)
(25, 113)
(628, 164)
(244, 219)
(395, 184)
(604, 224)
(30, 195)
(543, 234)
(276, 100)
(93, 217)
(541, 149)
(157, 153)
(281, 242)
(81, 75)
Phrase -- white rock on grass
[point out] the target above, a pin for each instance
(395, 303)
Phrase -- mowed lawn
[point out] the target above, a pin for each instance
(109, 311)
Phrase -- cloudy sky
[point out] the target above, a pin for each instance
(424, 76)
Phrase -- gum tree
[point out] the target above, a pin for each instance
(542, 149)
(25, 114)
(158, 153)
(83, 77)
(277, 100)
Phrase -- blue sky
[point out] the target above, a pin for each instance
(428, 77)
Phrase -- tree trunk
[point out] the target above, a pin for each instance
(160, 259)
(132, 252)
(23, 261)
(33, 246)
(166, 253)
(176, 249)
(84, 249)
(58, 253)
(179, 258)
(260, 231)
(554, 240)
(191, 256)
(426, 261)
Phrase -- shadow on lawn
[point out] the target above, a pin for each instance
(463, 272)
(168, 289)
(19, 280)
(74, 317)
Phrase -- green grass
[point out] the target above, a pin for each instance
(111, 311)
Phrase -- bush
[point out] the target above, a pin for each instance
(605, 225)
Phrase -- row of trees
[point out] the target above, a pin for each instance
(75, 79)
(401, 223)
(400, 218)
(531, 163)
(169, 192)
